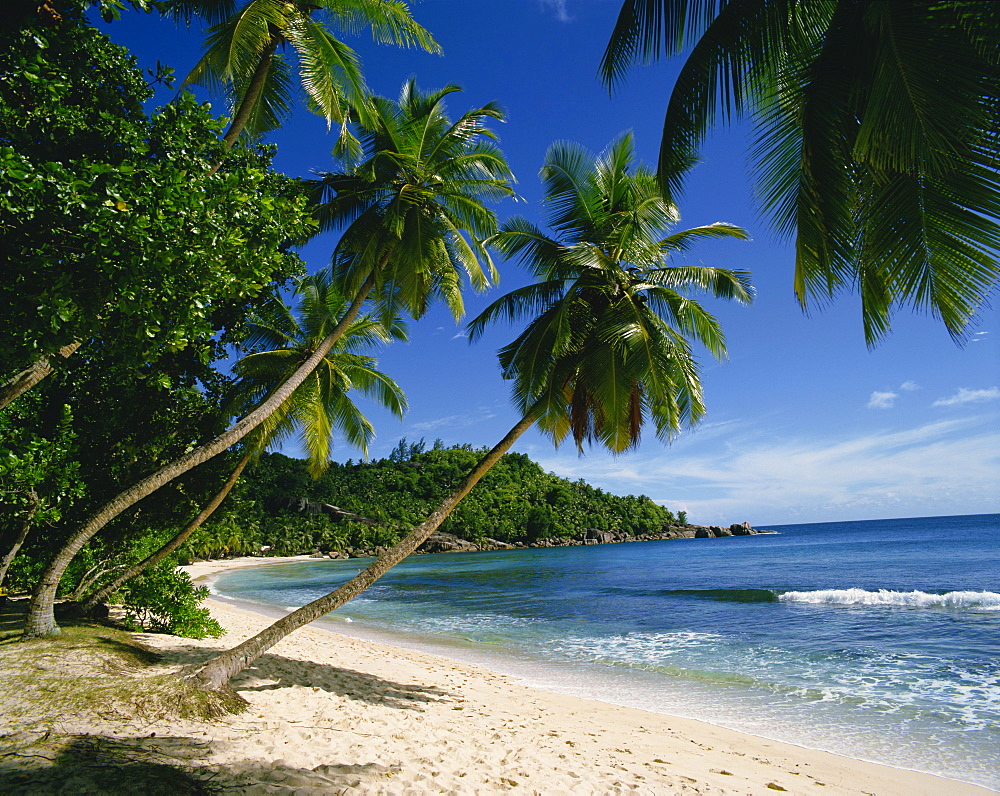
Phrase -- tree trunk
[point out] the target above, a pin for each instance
(250, 98)
(26, 379)
(20, 536)
(107, 590)
(40, 620)
(216, 674)
(91, 577)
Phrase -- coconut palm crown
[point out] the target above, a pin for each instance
(279, 340)
(411, 206)
(877, 136)
(244, 60)
(608, 343)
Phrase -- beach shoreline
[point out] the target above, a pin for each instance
(483, 731)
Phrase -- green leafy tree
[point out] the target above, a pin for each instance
(39, 476)
(111, 228)
(79, 435)
(422, 191)
(600, 355)
(876, 135)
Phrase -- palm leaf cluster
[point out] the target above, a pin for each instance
(609, 343)
(255, 48)
(412, 204)
(279, 340)
(876, 135)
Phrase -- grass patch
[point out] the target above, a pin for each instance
(102, 671)
(96, 675)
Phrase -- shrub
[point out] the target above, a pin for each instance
(164, 600)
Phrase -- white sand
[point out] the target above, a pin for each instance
(331, 714)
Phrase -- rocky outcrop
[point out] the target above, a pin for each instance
(441, 542)
(447, 543)
(715, 531)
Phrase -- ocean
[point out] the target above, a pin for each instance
(878, 640)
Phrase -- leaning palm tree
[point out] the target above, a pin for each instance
(609, 347)
(277, 343)
(877, 135)
(242, 58)
(411, 232)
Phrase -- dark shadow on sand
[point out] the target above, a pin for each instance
(39, 763)
(287, 672)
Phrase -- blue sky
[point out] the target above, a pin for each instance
(804, 424)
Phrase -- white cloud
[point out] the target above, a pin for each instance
(909, 386)
(966, 396)
(460, 336)
(558, 7)
(882, 400)
(949, 467)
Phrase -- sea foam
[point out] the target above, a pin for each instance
(965, 600)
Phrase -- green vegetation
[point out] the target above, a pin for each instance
(606, 349)
(876, 139)
(142, 248)
(516, 501)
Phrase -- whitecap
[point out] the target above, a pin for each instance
(968, 600)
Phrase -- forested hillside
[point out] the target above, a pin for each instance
(516, 502)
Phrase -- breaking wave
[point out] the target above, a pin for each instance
(962, 600)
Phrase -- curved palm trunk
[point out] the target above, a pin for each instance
(28, 378)
(92, 575)
(40, 620)
(216, 674)
(250, 99)
(107, 590)
(20, 536)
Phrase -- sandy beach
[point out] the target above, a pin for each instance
(332, 714)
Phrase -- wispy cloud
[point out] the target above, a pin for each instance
(462, 420)
(558, 8)
(966, 396)
(909, 386)
(882, 400)
(949, 467)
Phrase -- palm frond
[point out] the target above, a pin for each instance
(646, 28)
(389, 20)
(330, 70)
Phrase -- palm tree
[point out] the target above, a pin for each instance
(608, 349)
(413, 199)
(278, 342)
(410, 218)
(876, 135)
(242, 58)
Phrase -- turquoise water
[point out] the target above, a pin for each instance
(879, 640)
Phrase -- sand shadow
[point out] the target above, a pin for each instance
(278, 671)
(12, 615)
(45, 763)
(36, 763)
